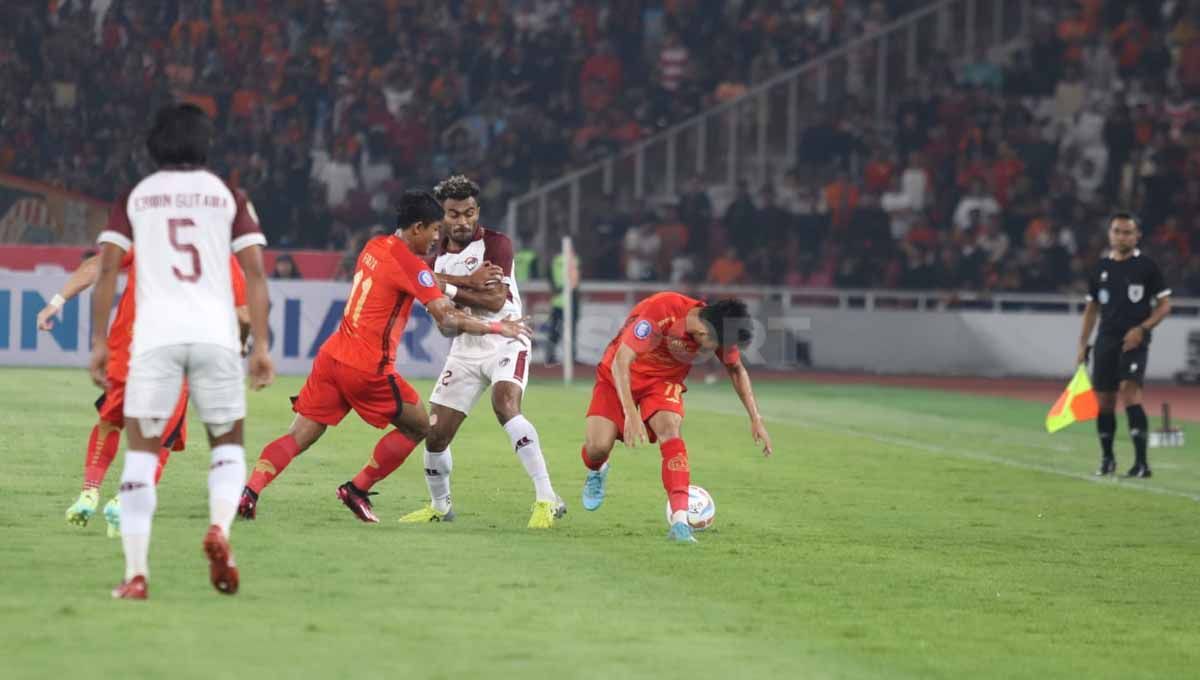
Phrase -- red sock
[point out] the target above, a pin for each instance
(100, 455)
(271, 463)
(163, 454)
(390, 453)
(589, 462)
(675, 473)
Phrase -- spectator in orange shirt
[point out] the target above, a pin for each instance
(1129, 40)
(727, 269)
(877, 175)
(1170, 238)
(600, 78)
(841, 198)
(1005, 172)
(1073, 31)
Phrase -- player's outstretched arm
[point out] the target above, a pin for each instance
(745, 391)
(80, 280)
(1090, 314)
(635, 429)
(102, 302)
(452, 321)
(262, 370)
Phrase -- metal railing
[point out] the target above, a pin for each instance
(756, 136)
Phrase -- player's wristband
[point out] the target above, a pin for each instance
(495, 327)
(58, 301)
(451, 290)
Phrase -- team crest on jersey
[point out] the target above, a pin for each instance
(1104, 275)
(642, 329)
(471, 262)
(1136, 291)
(425, 278)
(1103, 296)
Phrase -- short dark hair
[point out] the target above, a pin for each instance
(457, 187)
(418, 206)
(1125, 215)
(181, 135)
(730, 320)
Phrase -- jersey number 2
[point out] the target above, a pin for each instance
(357, 298)
(174, 225)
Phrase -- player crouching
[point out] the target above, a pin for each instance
(640, 384)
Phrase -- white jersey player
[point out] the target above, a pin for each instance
(476, 266)
(185, 221)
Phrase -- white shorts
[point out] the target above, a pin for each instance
(464, 379)
(216, 382)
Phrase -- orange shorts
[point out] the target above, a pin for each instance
(333, 388)
(651, 396)
(111, 407)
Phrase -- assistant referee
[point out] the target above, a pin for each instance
(1127, 292)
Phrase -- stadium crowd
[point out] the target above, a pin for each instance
(995, 174)
(326, 108)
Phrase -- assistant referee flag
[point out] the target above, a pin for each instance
(1078, 402)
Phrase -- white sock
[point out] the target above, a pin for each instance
(524, 438)
(679, 516)
(226, 477)
(138, 500)
(437, 477)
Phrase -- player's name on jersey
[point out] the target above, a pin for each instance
(194, 200)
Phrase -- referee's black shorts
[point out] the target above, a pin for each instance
(1111, 366)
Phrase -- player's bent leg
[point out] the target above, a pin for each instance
(443, 426)
(1139, 426)
(523, 436)
(275, 457)
(676, 473)
(103, 444)
(600, 437)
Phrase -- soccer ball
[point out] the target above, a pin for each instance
(702, 509)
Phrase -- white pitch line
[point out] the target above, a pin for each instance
(969, 455)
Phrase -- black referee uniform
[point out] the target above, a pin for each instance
(1125, 291)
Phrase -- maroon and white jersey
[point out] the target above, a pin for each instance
(488, 246)
(185, 223)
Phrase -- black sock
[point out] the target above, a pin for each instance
(1106, 427)
(1138, 430)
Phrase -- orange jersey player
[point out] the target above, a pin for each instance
(640, 385)
(106, 433)
(355, 368)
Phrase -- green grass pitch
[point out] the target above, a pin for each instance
(895, 533)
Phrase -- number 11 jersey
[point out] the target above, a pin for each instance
(387, 278)
(185, 223)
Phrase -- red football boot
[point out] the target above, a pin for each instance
(358, 502)
(133, 589)
(221, 570)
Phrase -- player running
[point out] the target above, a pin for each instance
(640, 385)
(185, 221)
(469, 253)
(106, 433)
(355, 368)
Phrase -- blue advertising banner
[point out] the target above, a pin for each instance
(303, 315)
